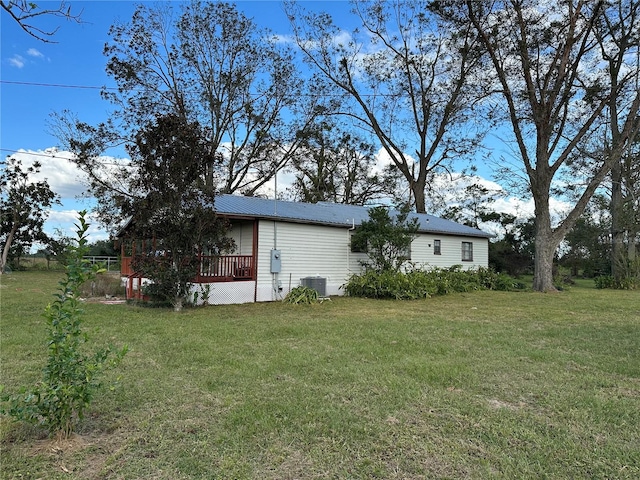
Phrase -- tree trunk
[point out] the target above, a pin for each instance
(546, 244)
(617, 227)
(7, 247)
(543, 262)
(418, 194)
(177, 304)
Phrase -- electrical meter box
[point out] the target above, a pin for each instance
(276, 261)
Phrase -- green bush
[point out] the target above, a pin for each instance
(302, 295)
(604, 281)
(419, 283)
(629, 283)
(608, 281)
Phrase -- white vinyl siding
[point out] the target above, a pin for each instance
(315, 250)
(422, 251)
(306, 251)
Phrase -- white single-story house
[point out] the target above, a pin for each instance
(282, 244)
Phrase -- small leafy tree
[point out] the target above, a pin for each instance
(175, 205)
(71, 376)
(386, 239)
(24, 207)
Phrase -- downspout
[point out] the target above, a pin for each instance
(274, 276)
(255, 254)
(351, 229)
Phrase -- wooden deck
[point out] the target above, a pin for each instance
(225, 268)
(212, 268)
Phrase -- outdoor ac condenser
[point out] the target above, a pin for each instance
(319, 284)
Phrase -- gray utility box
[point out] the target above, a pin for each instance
(319, 284)
(276, 261)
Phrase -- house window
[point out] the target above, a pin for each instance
(359, 247)
(405, 254)
(467, 252)
(436, 247)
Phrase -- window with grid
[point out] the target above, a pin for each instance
(437, 247)
(467, 252)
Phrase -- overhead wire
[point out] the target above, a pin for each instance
(54, 156)
(57, 85)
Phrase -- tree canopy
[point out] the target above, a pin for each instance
(405, 76)
(174, 204)
(336, 165)
(211, 64)
(545, 58)
(24, 207)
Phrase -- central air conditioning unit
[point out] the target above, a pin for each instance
(319, 284)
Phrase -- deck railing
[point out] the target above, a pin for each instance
(211, 268)
(230, 267)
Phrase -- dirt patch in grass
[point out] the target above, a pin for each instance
(498, 404)
(59, 447)
(295, 465)
(37, 456)
(106, 300)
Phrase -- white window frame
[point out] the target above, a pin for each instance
(467, 251)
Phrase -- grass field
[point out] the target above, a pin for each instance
(477, 385)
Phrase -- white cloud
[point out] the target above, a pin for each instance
(63, 177)
(63, 222)
(17, 61)
(68, 181)
(32, 52)
(449, 186)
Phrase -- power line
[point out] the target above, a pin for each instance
(56, 85)
(46, 155)
(93, 87)
(53, 155)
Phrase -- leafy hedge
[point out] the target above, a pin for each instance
(419, 283)
(626, 283)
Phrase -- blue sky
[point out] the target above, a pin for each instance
(41, 78)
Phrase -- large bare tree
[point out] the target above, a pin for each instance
(618, 35)
(206, 63)
(546, 59)
(404, 76)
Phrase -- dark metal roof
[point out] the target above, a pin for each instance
(324, 213)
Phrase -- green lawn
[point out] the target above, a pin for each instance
(478, 385)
